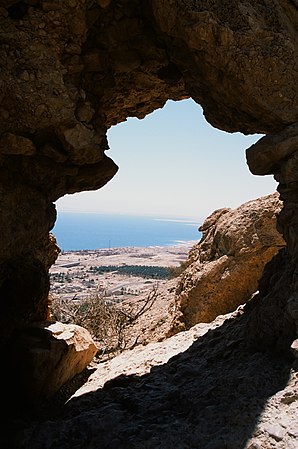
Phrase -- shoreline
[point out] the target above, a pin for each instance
(77, 273)
(81, 232)
(132, 247)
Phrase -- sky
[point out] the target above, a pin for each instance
(173, 164)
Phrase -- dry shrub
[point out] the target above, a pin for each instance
(107, 322)
(174, 272)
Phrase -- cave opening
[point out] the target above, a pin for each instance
(74, 68)
(172, 165)
(175, 170)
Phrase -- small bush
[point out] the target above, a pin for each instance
(107, 322)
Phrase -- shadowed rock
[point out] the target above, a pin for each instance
(44, 356)
(71, 69)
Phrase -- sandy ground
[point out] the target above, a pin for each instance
(72, 275)
(73, 281)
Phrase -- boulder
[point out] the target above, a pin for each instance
(223, 269)
(45, 355)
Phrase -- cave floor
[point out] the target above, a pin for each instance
(201, 388)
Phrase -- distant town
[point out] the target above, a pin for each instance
(116, 274)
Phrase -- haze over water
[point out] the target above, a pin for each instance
(86, 231)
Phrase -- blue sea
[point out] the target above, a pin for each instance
(84, 231)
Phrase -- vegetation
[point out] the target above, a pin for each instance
(143, 271)
(108, 323)
(176, 271)
(60, 277)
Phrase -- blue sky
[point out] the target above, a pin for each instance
(173, 164)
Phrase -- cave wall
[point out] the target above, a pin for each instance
(70, 69)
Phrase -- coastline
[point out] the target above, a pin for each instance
(77, 232)
(74, 274)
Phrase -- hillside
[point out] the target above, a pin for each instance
(201, 388)
(167, 387)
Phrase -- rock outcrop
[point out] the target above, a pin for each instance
(71, 69)
(44, 356)
(224, 268)
(274, 312)
(201, 388)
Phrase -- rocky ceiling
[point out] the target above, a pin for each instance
(70, 69)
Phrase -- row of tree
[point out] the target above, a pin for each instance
(144, 271)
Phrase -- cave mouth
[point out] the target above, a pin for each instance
(172, 164)
(89, 67)
(170, 156)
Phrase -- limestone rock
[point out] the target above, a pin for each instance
(83, 144)
(225, 266)
(72, 69)
(11, 144)
(45, 355)
(201, 388)
(235, 57)
(264, 156)
(294, 348)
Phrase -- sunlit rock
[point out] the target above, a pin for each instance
(224, 268)
(44, 356)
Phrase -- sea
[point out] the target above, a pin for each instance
(89, 231)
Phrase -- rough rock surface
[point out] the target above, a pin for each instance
(45, 355)
(238, 52)
(224, 268)
(201, 388)
(70, 69)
